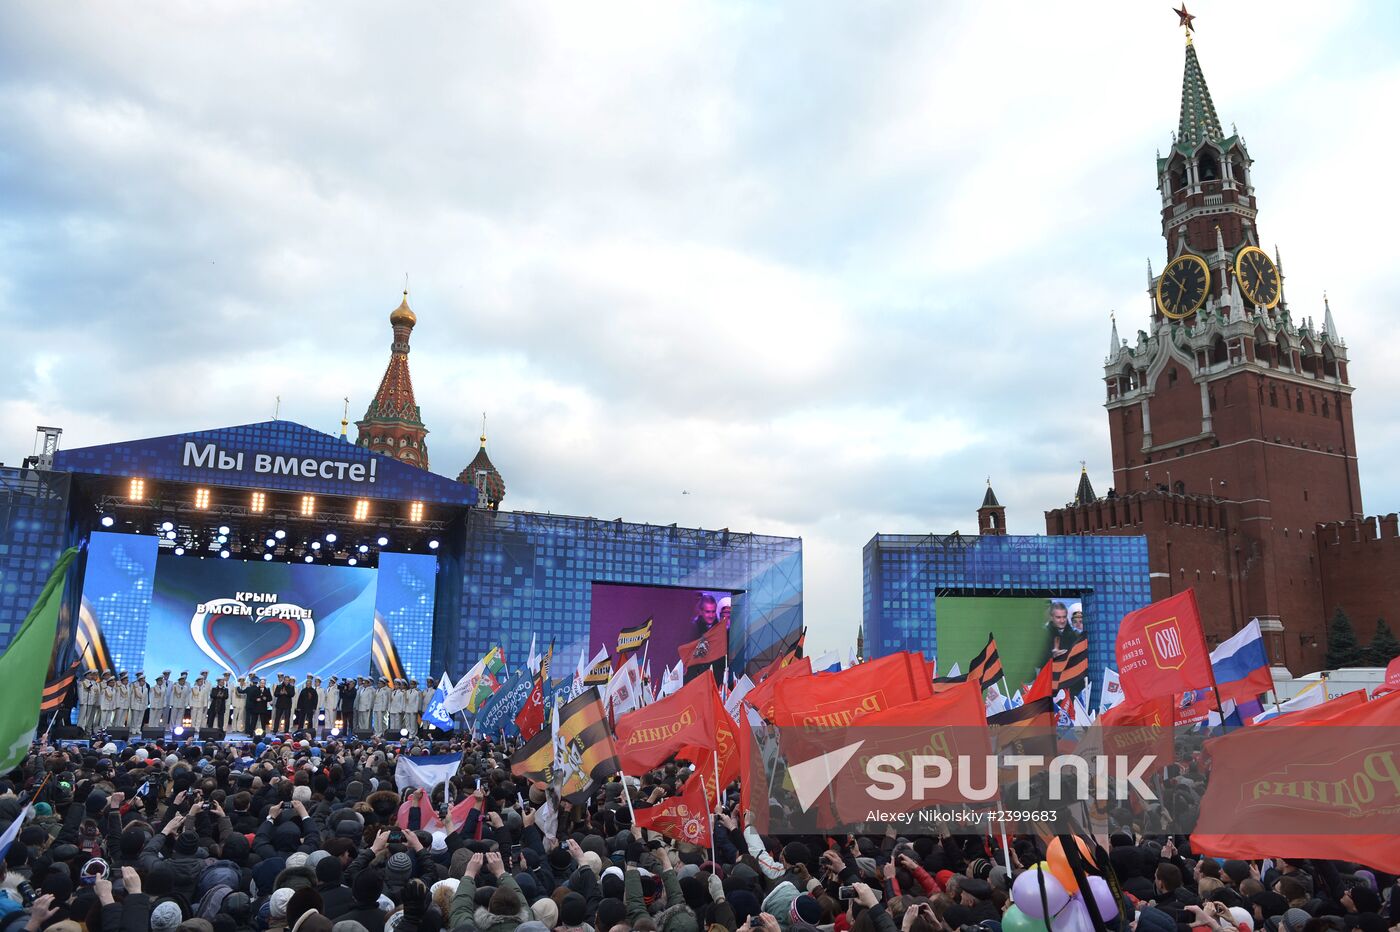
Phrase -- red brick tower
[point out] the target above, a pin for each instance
(1230, 421)
(991, 517)
(392, 424)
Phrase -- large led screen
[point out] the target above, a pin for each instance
(677, 615)
(1029, 632)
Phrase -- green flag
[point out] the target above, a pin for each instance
(25, 665)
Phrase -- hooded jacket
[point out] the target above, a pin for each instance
(464, 908)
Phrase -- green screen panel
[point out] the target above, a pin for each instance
(1023, 640)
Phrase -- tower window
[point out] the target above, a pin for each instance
(1209, 167)
(1273, 396)
(1325, 411)
(1299, 402)
(1171, 376)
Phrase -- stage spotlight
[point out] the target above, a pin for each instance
(108, 521)
(222, 538)
(308, 505)
(223, 529)
(415, 512)
(403, 732)
(315, 545)
(279, 533)
(335, 732)
(136, 490)
(201, 499)
(258, 502)
(169, 535)
(330, 538)
(267, 556)
(308, 558)
(179, 551)
(270, 542)
(352, 561)
(362, 548)
(223, 554)
(167, 526)
(257, 732)
(179, 730)
(383, 541)
(432, 545)
(361, 509)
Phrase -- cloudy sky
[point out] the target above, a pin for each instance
(825, 267)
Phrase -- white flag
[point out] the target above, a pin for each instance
(625, 687)
(533, 660)
(460, 694)
(1112, 693)
(736, 696)
(671, 680)
(12, 832)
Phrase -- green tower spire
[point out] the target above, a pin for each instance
(1198, 118)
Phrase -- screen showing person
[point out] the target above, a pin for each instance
(662, 623)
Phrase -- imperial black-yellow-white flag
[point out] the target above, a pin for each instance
(632, 639)
(584, 752)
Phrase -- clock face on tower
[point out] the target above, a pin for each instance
(1258, 277)
(1183, 287)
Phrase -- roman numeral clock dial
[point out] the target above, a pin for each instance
(1183, 287)
(1258, 277)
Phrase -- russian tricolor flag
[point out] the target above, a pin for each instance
(1242, 665)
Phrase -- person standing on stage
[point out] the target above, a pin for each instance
(325, 704)
(121, 711)
(218, 704)
(138, 702)
(425, 695)
(107, 702)
(178, 704)
(199, 700)
(257, 697)
(89, 694)
(397, 695)
(306, 704)
(283, 695)
(346, 696)
(237, 705)
(379, 715)
(160, 692)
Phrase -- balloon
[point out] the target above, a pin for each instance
(1055, 859)
(1073, 918)
(1025, 892)
(1013, 920)
(1103, 898)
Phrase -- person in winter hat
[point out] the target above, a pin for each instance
(677, 916)
(506, 909)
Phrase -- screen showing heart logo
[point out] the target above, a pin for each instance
(244, 618)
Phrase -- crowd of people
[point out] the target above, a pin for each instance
(122, 703)
(307, 833)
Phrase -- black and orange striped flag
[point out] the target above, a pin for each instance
(58, 685)
(986, 666)
(584, 752)
(384, 653)
(535, 759)
(1074, 665)
(90, 644)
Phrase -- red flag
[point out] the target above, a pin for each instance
(1162, 650)
(530, 718)
(428, 820)
(762, 695)
(1277, 793)
(648, 736)
(723, 750)
(1139, 729)
(1040, 686)
(685, 817)
(707, 648)
(834, 699)
(1392, 679)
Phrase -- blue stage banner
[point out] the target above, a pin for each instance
(116, 600)
(267, 455)
(263, 618)
(405, 600)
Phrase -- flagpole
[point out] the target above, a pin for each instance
(1005, 847)
(627, 795)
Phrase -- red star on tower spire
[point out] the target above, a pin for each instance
(1184, 19)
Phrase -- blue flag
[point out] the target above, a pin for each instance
(436, 713)
(500, 710)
